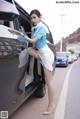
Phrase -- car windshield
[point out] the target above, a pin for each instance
(58, 54)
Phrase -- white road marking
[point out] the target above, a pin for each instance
(60, 109)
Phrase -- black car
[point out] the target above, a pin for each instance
(17, 83)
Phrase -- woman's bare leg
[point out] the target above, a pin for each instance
(49, 82)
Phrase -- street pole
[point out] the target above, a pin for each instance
(61, 40)
(61, 45)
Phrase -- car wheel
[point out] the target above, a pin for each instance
(66, 64)
(41, 91)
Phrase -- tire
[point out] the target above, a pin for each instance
(66, 64)
(41, 91)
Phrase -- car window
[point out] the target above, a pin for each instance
(49, 35)
(49, 38)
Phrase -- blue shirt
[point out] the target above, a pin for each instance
(40, 33)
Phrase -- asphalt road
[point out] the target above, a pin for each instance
(72, 110)
(66, 97)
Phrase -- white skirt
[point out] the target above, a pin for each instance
(47, 57)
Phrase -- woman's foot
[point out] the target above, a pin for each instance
(49, 110)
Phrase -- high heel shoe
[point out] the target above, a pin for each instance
(51, 109)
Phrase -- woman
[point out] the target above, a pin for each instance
(43, 53)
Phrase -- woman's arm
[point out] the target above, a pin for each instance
(34, 40)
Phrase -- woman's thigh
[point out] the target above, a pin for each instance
(31, 51)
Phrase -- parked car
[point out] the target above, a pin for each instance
(74, 57)
(17, 83)
(70, 58)
(61, 59)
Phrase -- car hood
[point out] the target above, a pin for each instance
(61, 58)
(8, 10)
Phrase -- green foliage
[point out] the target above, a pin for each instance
(71, 51)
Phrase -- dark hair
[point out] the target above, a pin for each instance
(35, 11)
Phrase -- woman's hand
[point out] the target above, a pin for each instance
(31, 40)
